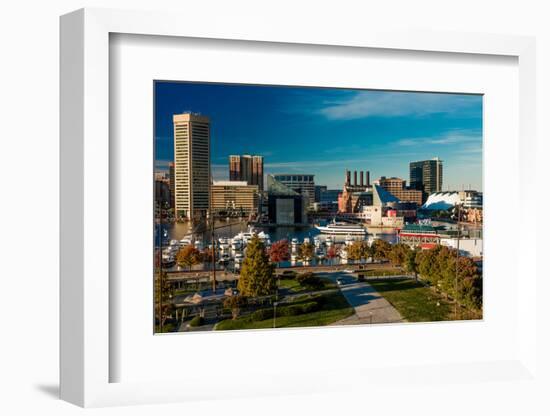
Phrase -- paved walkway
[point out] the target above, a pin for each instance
(370, 306)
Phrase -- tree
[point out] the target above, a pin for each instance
(257, 273)
(310, 280)
(439, 267)
(188, 256)
(206, 256)
(358, 250)
(279, 251)
(398, 253)
(235, 303)
(410, 264)
(163, 298)
(332, 252)
(307, 251)
(380, 249)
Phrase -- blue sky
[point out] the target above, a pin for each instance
(324, 131)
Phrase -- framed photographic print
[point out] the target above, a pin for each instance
(265, 218)
(274, 203)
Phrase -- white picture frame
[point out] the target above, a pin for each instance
(85, 212)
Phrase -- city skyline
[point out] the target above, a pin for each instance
(325, 131)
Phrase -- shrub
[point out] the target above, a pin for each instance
(196, 321)
(298, 309)
(290, 310)
(309, 280)
(309, 307)
(235, 303)
(262, 314)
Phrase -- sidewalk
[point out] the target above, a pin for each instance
(370, 306)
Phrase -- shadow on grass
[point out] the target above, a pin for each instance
(360, 296)
(387, 285)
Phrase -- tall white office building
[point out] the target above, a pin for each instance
(191, 165)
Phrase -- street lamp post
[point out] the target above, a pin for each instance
(275, 313)
(457, 259)
(160, 276)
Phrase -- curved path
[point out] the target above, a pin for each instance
(370, 306)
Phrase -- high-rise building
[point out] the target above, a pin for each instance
(319, 189)
(191, 165)
(303, 184)
(249, 168)
(396, 186)
(236, 196)
(162, 193)
(172, 183)
(284, 205)
(427, 176)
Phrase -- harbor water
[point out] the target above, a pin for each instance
(229, 229)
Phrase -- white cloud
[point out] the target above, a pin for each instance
(469, 138)
(384, 104)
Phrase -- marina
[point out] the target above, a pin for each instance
(231, 239)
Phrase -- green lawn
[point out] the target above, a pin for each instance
(169, 326)
(294, 287)
(389, 271)
(291, 284)
(334, 308)
(415, 302)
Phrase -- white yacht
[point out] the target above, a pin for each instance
(349, 240)
(223, 243)
(245, 236)
(185, 241)
(342, 228)
(238, 260)
(236, 243)
(294, 246)
(198, 244)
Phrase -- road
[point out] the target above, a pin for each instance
(370, 306)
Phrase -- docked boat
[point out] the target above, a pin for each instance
(185, 241)
(223, 243)
(236, 243)
(168, 260)
(342, 228)
(199, 244)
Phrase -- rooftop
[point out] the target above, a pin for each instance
(422, 228)
(230, 183)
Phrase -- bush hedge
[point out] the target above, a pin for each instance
(298, 309)
(290, 310)
(262, 314)
(310, 280)
(196, 321)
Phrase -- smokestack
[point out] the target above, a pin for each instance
(361, 178)
(354, 178)
(367, 178)
(348, 177)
